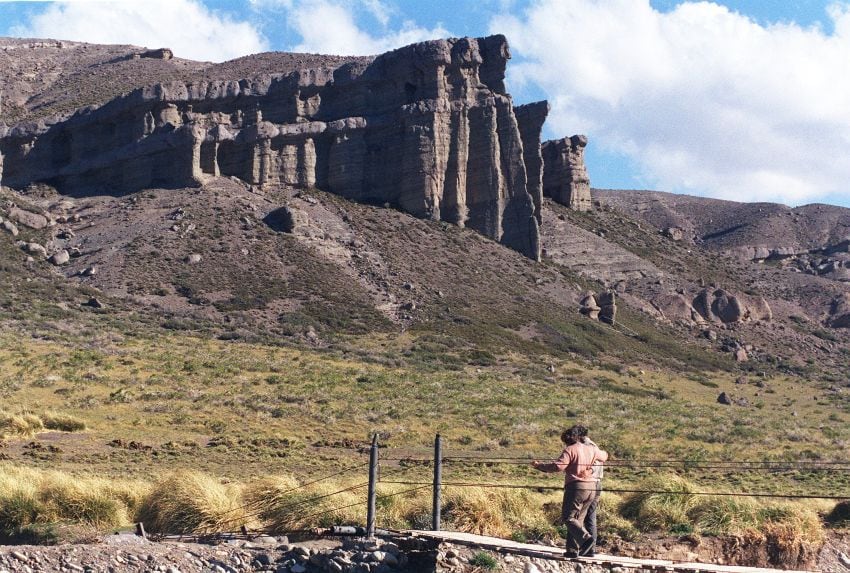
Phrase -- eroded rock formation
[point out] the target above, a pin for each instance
(600, 306)
(428, 128)
(721, 306)
(565, 177)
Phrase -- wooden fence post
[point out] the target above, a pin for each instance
(373, 482)
(438, 480)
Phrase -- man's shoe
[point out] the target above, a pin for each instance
(571, 554)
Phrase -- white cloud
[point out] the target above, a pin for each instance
(330, 27)
(186, 26)
(703, 99)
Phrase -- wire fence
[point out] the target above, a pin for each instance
(303, 505)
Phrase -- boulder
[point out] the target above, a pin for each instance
(702, 304)
(60, 258)
(589, 307)
(727, 307)
(34, 249)
(676, 307)
(608, 304)
(721, 306)
(28, 218)
(839, 311)
(287, 219)
(674, 233)
(10, 228)
(724, 399)
(758, 308)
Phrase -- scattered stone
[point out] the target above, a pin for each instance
(89, 271)
(28, 218)
(287, 219)
(193, 259)
(741, 355)
(724, 399)
(94, 303)
(589, 307)
(35, 249)
(60, 258)
(10, 227)
(674, 233)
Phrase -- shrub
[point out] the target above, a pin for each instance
(484, 560)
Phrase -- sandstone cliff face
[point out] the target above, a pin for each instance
(427, 128)
(565, 177)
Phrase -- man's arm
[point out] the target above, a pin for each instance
(558, 465)
(601, 455)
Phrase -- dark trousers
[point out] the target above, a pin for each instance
(578, 497)
(589, 546)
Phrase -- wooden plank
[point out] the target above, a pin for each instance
(550, 552)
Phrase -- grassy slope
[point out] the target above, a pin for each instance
(261, 402)
(475, 366)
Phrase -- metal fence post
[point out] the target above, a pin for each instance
(373, 482)
(438, 480)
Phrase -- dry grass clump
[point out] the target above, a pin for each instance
(401, 508)
(283, 506)
(62, 422)
(611, 521)
(839, 516)
(191, 502)
(27, 424)
(674, 508)
(30, 499)
(497, 512)
(24, 425)
(660, 511)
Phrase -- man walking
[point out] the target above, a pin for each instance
(576, 461)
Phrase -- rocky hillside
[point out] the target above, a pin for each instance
(308, 198)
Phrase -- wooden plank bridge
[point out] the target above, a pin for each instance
(557, 553)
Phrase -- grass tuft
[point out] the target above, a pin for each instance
(33, 502)
(839, 516)
(285, 508)
(191, 502)
(62, 422)
(24, 425)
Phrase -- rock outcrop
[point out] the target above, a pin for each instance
(428, 128)
(839, 312)
(600, 306)
(565, 177)
(530, 118)
(676, 307)
(720, 306)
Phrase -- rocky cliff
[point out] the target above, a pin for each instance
(565, 177)
(428, 128)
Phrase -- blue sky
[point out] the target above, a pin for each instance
(737, 99)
